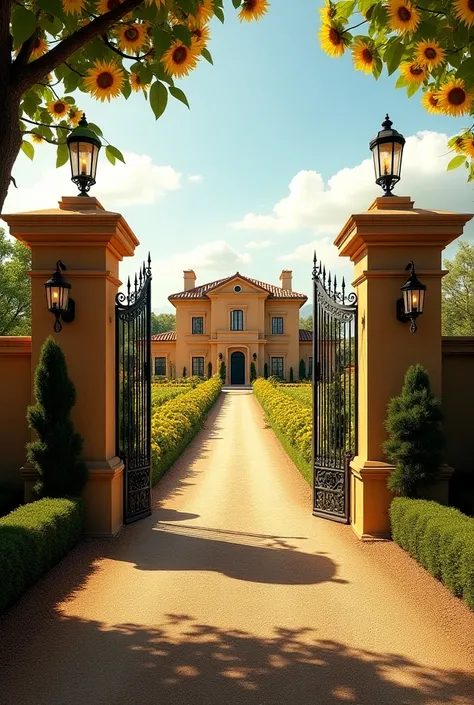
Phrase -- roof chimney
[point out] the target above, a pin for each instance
(189, 279)
(286, 278)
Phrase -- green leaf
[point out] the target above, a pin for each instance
(115, 153)
(345, 8)
(393, 55)
(207, 55)
(95, 128)
(412, 89)
(179, 95)
(377, 68)
(71, 82)
(183, 33)
(466, 70)
(126, 88)
(158, 98)
(456, 162)
(53, 7)
(364, 6)
(219, 13)
(62, 154)
(401, 82)
(236, 3)
(161, 40)
(23, 25)
(109, 154)
(28, 149)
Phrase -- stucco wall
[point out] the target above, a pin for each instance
(458, 401)
(15, 396)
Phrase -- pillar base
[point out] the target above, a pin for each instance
(370, 498)
(30, 476)
(103, 497)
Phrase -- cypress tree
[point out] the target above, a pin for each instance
(265, 370)
(222, 372)
(209, 370)
(56, 451)
(253, 372)
(416, 440)
(302, 370)
(292, 377)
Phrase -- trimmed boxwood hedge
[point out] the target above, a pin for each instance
(175, 423)
(33, 538)
(291, 422)
(440, 538)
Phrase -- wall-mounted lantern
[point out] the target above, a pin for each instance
(57, 297)
(411, 305)
(254, 357)
(84, 146)
(220, 356)
(387, 151)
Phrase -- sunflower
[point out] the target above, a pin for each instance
(253, 10)
(200, 37)
(363, 55)
(136, 82)
(73, 7)
(104, 80)
(429, 101)
(58, 108)
(468, 144)
(413, 72)
(456, 144)
(40, 47)
(132, 37)
(332, 39)
(204, 12)
(328, 12)
(104, 6)
(464, 10)
(179, 60)
(74, 116)
(429, 54)
(454, 99)
(37, 138)
(403, 16)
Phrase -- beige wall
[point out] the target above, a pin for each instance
(15, 396)
(458, 401)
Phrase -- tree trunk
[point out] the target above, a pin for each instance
(10, 138)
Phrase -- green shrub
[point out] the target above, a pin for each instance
(184, 372)
(33, 538)
(292, 379)
(222, 372)
(253, 372)
(440, 538)
(209, 370)
(177, 421)
(416, 440)
(265, 370)
(56, 451)
(302, 370)
(291, 421)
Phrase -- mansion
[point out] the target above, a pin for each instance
(237, 320)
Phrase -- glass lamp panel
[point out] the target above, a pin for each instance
(375, 154)
(95, 157)
(397, 158)
(386, 159)
(64, 298)
(81, 158)
(407, 301)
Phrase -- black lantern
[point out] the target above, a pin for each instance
(57, 297)
(220, 356)
(254, 357)
(411, 305)
(387, 151)
(84, 146)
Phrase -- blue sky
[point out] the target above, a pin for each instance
(273, 108)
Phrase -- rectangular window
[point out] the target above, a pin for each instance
(310, 366)
(277, 367)
(236, 320)
(160, 366)
(277, 325)
(197, 325)
(198, 366)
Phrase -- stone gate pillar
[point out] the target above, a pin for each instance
(91, 242)
(380, 242)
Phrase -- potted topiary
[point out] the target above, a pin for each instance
(253, 372)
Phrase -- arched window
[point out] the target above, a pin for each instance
(237, 320)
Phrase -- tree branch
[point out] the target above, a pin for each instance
(45, 139)
(52, 126)
(23, 77)
(27, 47)
(71, 68)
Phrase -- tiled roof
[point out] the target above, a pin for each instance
(169, 335)
(200, 292)
(306, 336)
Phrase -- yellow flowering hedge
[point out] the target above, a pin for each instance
(291, 421)
(176, 422)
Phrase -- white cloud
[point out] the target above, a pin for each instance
(137, 182)
(211, 258)
(258, 244)
(323, 207)
(196, 178)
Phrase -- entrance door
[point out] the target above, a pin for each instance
(237, 368)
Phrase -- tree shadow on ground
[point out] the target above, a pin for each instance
(182, 662)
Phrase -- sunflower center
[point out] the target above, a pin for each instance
(416, 70)
(334, 36)
(105, 80)
(198, 33)
(250, 4)
(367, 56)
(433, 100)
(431, 53)
(180, 55)
(59, 107)
(131, 34)
(404, 14)
(470, 4)
(456, 96)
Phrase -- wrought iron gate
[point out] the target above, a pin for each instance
(334, 393)
(133, 392)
